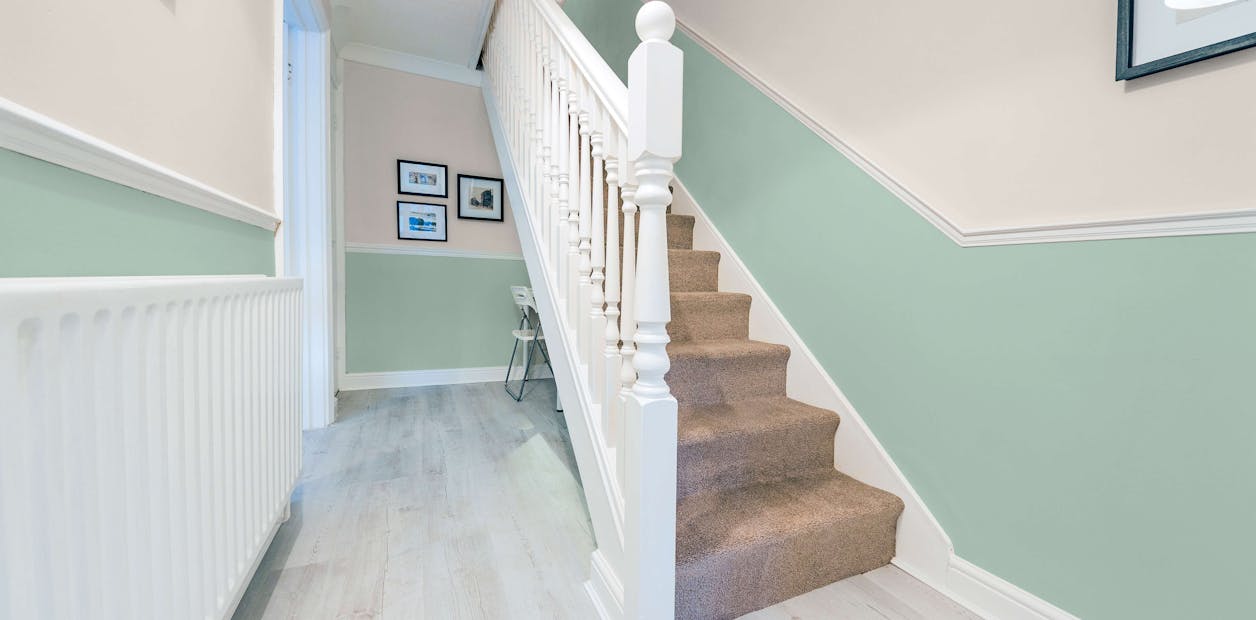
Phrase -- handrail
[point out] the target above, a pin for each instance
(605, 83)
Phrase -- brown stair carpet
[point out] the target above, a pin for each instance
(762, 515)
(693, 270)
(679, 231)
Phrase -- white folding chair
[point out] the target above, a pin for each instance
(528, 333)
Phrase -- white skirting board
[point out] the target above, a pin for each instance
(924, 549)
(604, 588)
(441, 376)
(994, 598)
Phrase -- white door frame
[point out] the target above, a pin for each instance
(306, 235)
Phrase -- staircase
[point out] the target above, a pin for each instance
(761, 514)
(712, 494)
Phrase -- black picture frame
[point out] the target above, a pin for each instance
(444, 216)
(501, 194)
(1125, 48)
(444, 177)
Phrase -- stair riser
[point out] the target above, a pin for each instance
(679, 232)
(689, 270)
(737, 460)
(698, 381)
(723, 587)
(709, 319)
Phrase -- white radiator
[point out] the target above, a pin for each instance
(150, 437)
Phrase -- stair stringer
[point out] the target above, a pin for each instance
(923, 548)
(601, 493)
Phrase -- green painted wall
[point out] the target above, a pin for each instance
(1079, 416)
(58, 222)
(407, 312)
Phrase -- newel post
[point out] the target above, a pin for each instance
(654, 136)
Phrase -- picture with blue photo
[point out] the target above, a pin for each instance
(421, 222)
(421, 178)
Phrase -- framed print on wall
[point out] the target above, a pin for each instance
(421, 222)
(479, 198)
(1154, 35)
(419, 178)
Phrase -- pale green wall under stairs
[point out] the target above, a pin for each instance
(412, 312)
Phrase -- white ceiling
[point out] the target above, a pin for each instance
(450, 31)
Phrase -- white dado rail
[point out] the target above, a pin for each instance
(591, 158)
(150, 437)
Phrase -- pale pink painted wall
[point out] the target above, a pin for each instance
(390, 115)
(187, 85)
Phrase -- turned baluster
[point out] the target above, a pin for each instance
(555, 112)
(541, 224)
(520, 74)
(573, 200)
(562, 231)
(627, 306)
(584, 281)
(526, 71)
(539, 93)
(610, 346)
(597, 258)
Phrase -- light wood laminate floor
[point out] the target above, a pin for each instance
(456, 502)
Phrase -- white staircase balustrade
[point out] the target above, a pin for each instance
(584, 154)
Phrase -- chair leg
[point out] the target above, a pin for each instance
(509, 367)
(545, 354)
(527, 367)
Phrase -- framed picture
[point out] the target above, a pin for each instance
(479, 198)
(422, 222)
(421, 179)
(1154, 35)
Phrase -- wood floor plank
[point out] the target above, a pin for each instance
(435, 502)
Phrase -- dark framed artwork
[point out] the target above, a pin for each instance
(420, 178)
(421, 222)
(1154, 35)
(480, 198)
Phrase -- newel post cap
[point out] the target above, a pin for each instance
(656, 21)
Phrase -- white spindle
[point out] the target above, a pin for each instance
(545, 155)
(584, 275)
(563, 234)
(610, 346)
(554, 213)
(573, 200)
(628, 306)
(597, 259)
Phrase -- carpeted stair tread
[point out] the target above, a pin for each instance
(693, 270)
(729, 445)
(709, 315)
(743, 549)
(707, 372)
(679, 232)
